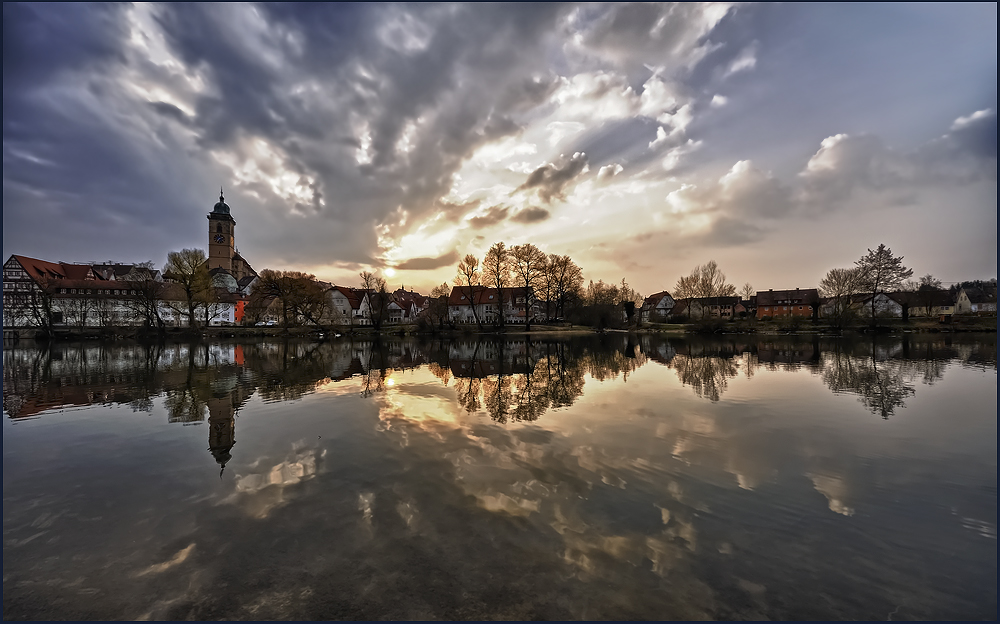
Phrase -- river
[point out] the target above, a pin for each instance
(591, 477)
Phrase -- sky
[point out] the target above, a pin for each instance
(642, 140)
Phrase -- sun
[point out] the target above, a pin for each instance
(389, 272)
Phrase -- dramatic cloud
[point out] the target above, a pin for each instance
(369, 136)
(550, 179)
(492, 216)
(424, 264)
(531, 215)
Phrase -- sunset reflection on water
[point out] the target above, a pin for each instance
(593, 477)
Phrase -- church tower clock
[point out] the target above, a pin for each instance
(221, 236)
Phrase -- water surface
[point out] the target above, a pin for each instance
(597, 477)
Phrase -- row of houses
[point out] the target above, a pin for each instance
(358, 306)
(464, 305)
(807, 303)
(96, 295)
(39, 292)
(90, 295)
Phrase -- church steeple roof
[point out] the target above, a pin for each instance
(222, 207)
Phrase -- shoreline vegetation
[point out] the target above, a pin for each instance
(958, 324)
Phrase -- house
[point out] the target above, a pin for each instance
(351, 303)
(466, 304)
(656, 308)
(680, 310)
(39, 293)
(975, 301)
(411, 304)
(747, 308)
(712, 307)
(800, 302)
(886, 305)
(42, 293)
(125, 272)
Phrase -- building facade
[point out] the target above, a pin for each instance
(43, 294)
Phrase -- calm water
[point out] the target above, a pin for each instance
(596, 477)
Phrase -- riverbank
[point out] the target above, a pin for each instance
(957, 324)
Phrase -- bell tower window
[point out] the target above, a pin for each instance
(218, 228)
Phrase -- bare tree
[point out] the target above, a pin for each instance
(879, 271)
(747, 291)
(840, 285)
(706, 280)
(105, 309)
(687, 287)
(189, 269)
(299, 296)
(145, 298)
(630, 298)
(567, 279)
(528, 265)
(378, 297)
(437, 311)
(276, 286)
(469, 280)
(256, 306)
(210, 304)
(15, 308)
(41, 303)
(548, 285)
(497, 265)
(78, 309)
(929, 292)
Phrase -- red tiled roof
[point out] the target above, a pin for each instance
(653, 300)
(354, 296)
(483, 295)
(41, 269)
(406, 298)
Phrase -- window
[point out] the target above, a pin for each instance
(218, 228)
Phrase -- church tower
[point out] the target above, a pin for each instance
(221, 236)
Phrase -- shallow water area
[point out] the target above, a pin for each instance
(598, 477)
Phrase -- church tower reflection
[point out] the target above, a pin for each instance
(221, 429)
(228, 395)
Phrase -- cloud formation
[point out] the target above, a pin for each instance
(551, 179)
(355, 136)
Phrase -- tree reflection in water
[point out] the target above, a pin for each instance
(517, 379)
(880, 371)
(880, 377)
(707, 375)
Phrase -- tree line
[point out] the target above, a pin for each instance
(552, 284)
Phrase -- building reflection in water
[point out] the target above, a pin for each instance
(221, 431)
(631, 500)
(512, 380)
